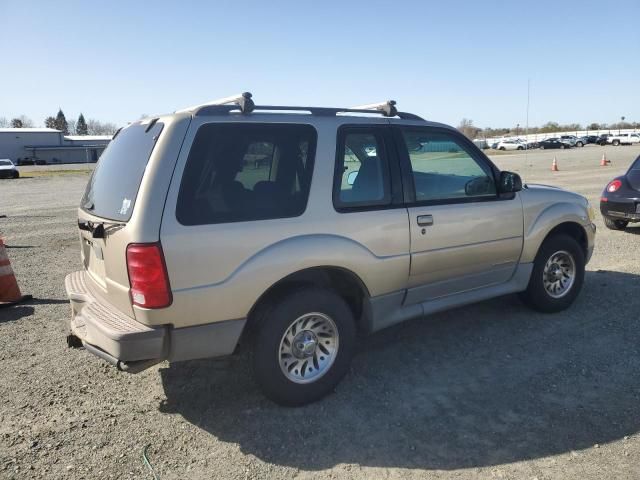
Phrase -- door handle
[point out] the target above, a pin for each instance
(425, 220)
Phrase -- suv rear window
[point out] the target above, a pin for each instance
(113, 187)
(241, 172)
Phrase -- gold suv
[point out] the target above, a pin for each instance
(295, 229)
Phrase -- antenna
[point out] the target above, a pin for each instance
(387, 108)
(243, 100)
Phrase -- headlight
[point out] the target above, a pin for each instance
(591, 211)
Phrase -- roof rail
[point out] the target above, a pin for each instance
(388, 108)
(245, 104)
(241, 100)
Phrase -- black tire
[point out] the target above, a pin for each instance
(579, 144)
(501, 148)
(541, 147)
(615, 143)
(270, 330)
(520, 148)
(561, 147)
(16, 174)
(613, 224)
(536, 296)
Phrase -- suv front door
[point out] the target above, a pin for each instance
(464, 235)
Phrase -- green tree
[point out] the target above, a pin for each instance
(50, 122)
(61, 122)
(550, 127)
(594, 126)
(81, 126)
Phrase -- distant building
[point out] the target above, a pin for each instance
(46, 145)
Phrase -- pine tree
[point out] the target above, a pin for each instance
(50, 122)
(81, 126)
(61, 123)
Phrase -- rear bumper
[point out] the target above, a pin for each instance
(621, 209)
(132, 346)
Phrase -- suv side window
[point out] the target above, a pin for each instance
(444, 169)
(242, 172)
(362, 177)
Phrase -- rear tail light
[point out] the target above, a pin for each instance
(614, 186)
(148, 275)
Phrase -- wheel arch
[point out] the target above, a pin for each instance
(572, 228)
(344, 282)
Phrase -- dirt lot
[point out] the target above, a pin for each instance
(487, 391)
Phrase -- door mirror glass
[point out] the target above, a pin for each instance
(351, 178)
(509, 182)
(479, 186)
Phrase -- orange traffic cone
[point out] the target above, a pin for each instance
(605, 161)
(554, 165)
(9, 290)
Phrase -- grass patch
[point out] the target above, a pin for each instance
(53, 173)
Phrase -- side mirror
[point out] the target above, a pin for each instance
(509, 182)
(351, 178)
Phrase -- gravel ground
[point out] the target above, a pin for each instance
(470, 393)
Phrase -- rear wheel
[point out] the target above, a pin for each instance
(557, 276)
(615, 143)
(612, 224)
(579, 144)
(562, 147)
(501, 148)
(303, 346)
(541, 147)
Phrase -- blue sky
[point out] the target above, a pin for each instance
(442, 60)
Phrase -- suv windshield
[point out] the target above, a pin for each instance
(113, 187)
(5, 163)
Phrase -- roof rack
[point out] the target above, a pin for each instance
(388, 108)
(241, 100)
(245, 104)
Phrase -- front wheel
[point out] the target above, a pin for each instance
(579, 144)
(303, 346)
(615, 143)
(557, 276)
(16, 174)
(561, 147)
(541, 147)
(612, 224)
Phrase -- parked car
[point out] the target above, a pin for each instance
(603, 139)
(553, 143)
(624, 139)
(188, 250)
(510, 145)
(587, 140)
(570, 139)
(620, 201)
(8, 169)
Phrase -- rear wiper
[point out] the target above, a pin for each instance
(97, 228)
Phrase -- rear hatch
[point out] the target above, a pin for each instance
(633, 175)
(107, 208)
